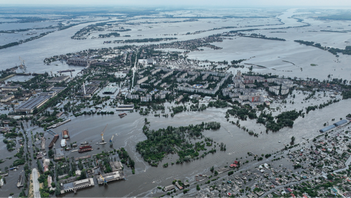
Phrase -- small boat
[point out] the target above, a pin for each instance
(121, 115)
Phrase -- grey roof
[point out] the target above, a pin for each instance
(33, 102)
(341, 122)
(327, 128)
(109, 90)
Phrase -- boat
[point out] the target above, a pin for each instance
(85, 150)
(65, 134)
(84, 143)
(102, 143)
(121, 115)
(56, 137)
(84, 147)
(20, 181)
(63, 143)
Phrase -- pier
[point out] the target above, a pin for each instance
(59, 124)
(68, 70)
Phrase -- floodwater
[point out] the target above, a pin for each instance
(128, 132)
(276, 56)
(60, 42)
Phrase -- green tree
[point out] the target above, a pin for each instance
(292, 140)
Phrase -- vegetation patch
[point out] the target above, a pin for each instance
(178, 140)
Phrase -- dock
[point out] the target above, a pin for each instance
(4, 174)
(58, 124)
(124, 109)
(68, 70)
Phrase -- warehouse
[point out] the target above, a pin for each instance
(341, 122)
(58, 79)
(32, 103)
(109, 90)
(327, 128)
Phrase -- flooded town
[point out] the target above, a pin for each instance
(175, 102)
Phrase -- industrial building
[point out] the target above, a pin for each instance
(125, 107)
(109, 177)
(109, 90)
(32, 103)
(74, 186)
(89, 90)
(78, 61)
(58, 79)
(10, 88)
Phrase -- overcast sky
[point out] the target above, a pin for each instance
(224, 3)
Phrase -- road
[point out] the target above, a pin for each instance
(347, 163)
(35, 183)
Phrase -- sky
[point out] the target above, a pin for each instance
(224, 3)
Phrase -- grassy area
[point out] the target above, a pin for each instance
(313, 65)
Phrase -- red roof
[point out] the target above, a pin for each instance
(236, 162)
(293, 195)
(233, 165)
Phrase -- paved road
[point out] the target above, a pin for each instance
(35, 183)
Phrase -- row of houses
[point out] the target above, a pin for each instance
(195, 89)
